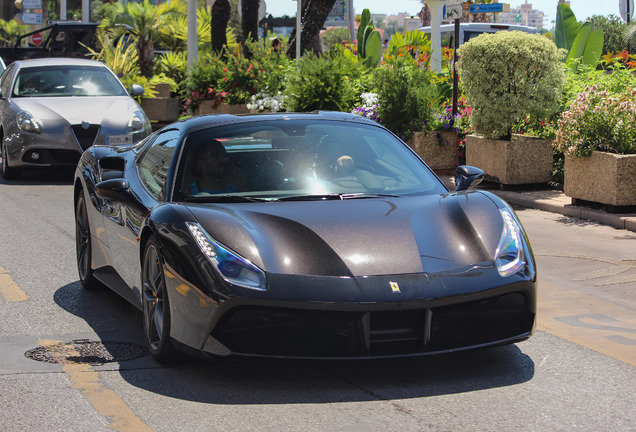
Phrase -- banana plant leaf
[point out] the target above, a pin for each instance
(566, 28)
(588, 45)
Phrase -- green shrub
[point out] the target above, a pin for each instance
(507, 76)
(173, 65)
(330, 82)
(598, 120)
(406, 97)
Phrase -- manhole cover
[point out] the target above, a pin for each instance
(85, 351)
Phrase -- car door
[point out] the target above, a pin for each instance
(147, 179)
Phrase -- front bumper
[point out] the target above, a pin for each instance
(330, 318)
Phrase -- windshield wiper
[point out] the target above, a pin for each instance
(222, 198)
(341, 196)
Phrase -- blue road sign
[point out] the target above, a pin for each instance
(485, 8)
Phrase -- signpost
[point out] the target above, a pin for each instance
(29, 18)
(488, 8)
(28, 4)
(626, 9)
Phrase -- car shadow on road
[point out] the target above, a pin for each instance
(42, 177)
(252, 381)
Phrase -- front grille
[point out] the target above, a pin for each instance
(310, 333)
(85, 137)
(480, 322)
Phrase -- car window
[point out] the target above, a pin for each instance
(153, 165)
(66, 80)
(283, 159)
(5, 80)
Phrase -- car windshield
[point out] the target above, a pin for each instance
(47, 81)
(293, 159)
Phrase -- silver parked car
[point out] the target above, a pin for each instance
(53, 109)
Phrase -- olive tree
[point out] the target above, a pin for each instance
(508, 75)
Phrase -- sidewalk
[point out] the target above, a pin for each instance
(554, 201)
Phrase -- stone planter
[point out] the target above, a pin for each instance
(522, 160)
(207, 107)
(438, 157)
(604, 178)
(161, 108)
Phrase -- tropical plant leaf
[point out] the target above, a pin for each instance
(588, 45)
(373, 49)
(566, 27)
(594, 47)
(365, 17)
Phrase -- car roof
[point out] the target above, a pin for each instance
(58, 61)
(206, 121)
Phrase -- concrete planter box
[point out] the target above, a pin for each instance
(438, 157)
(208, 107)
(161, 108)
(522, 160)
(604, 178)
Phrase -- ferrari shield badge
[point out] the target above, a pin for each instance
(395, 287)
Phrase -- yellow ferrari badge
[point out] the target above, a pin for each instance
(395, 287)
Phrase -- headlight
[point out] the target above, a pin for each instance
(27, 122)
(138, 121)
(232, 268)
(510, 256)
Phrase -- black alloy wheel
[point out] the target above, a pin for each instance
(156, 307)
(7, 172)
(83, 251)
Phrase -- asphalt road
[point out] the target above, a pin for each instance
(577, 373)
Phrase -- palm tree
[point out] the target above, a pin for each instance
(249, 23)
(314, 14)
(144, 21)
(220, 17)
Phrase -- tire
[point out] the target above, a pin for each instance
(83, 251)
(156, 306)
(7, 172)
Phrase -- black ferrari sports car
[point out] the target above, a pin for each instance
(313, 235)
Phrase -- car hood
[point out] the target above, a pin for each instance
(114, 110)
(359, 237)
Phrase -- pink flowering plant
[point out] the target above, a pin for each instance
(598, 120)
(196, 97)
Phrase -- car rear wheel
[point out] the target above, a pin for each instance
(156, 306)
(7, 172)
(83, 251)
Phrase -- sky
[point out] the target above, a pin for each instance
(582, 8)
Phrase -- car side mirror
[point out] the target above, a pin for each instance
(467, 176)
(136, 90)
(113, 190)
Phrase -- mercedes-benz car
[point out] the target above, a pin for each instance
(313, 235)
(53, 109)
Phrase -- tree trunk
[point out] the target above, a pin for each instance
(146, 53)
(249, 23)
(314, 15)
(220, 17)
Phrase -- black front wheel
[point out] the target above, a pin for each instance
(83, 250)
(156, 306)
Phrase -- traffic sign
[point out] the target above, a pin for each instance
(36, 39)
(492, 7)
(29, 18)
(622, 8)
(452, 12)
(28, 4)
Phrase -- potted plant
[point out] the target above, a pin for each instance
(597, 136)
(505, 77)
